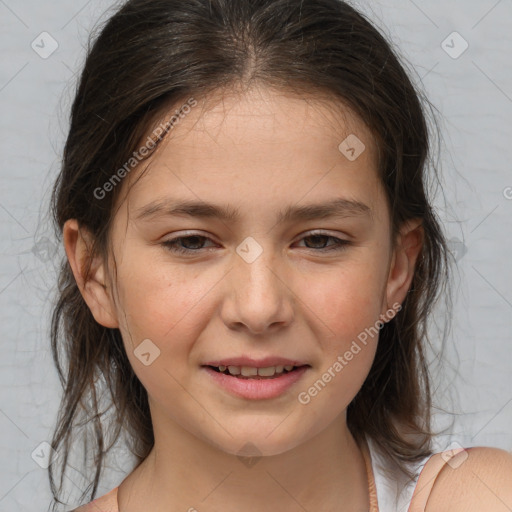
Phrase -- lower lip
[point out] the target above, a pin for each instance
(257, 389)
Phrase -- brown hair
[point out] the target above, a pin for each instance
(150, 55)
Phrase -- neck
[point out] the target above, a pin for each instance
(183, 472)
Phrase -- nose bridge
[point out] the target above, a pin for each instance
(256, 269)
(258, 293)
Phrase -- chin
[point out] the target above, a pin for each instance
(257, 443)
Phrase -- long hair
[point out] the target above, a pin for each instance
(149, 56)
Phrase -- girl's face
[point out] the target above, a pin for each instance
(304, 287)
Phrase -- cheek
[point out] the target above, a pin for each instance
(345, 301)
(163, 310)
(343, 308)
(160, 311)
(159, 300)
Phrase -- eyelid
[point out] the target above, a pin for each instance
(310, 232)
(172, 245)
(319, 231)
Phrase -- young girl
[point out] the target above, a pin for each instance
(252, 259)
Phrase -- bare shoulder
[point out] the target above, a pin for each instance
(105, 503)
(93, 506)
(476, 479)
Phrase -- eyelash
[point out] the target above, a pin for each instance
(171, 245)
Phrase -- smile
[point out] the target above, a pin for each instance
(252, 372)
(253, 386)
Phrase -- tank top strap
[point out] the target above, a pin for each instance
(392, 491)
(374, 505)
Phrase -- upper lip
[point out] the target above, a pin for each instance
(266, 362)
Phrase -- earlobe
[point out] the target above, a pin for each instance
(78, 244)
(403, 263)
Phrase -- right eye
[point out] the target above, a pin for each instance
(176, 244)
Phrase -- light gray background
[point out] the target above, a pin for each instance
(473, 93)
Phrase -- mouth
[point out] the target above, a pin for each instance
(249, 372)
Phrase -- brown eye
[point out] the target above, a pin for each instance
(185, 244)
(319, 240)
(195, 243)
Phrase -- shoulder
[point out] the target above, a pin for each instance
(106, 503)
(84, 508)
(475, 479)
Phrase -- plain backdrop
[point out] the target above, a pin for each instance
(458, 52)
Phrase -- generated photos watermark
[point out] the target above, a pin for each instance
(143, 152)
(304, 397)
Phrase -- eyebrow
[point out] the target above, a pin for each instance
(339, 207)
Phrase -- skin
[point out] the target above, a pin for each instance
(475, 479)
(482, 481)
(259, 151)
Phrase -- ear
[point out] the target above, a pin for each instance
(403, 263)
(78, 245)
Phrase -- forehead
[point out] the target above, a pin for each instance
(267, 116)
(263, 140)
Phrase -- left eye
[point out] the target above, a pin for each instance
(188, 244)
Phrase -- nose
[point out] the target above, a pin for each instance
(259, 296)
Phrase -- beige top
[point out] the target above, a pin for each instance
(426, 480)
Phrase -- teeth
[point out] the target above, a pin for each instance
(266, 372)
(248, 371)
(234, 370)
